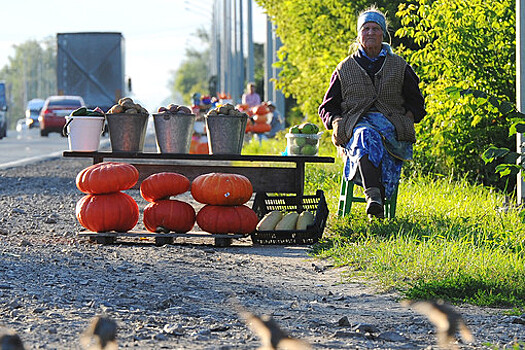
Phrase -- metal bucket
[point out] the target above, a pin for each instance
(174, 132)
(226, 133)
(127, 131)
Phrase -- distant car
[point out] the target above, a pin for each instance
(55, 109)
(33, 109)
(3, 111)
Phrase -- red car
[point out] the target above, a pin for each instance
(52, 117)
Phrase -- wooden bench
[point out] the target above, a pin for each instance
(268, 173)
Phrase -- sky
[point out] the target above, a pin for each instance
(156, 33)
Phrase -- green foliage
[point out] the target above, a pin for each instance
(462, 45)
(316, 36)
(31, 73)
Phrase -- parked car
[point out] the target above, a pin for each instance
(55, 109)
(3, 111)
(33, 109)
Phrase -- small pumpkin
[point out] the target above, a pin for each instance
(169, 215)
(261, 109)
(107, 177)
(163, 185)
(260, 128)
(218, 219)
(221, 189)
(107, 212)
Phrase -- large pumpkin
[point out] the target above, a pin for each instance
(107, 177)
(227, 219)
(163, 185)
(107, 212)
(221, 189)
(170, 215)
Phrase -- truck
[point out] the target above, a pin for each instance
(92, 65)
(3, 111)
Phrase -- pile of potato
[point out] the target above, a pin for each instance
(126, 105)
(175, 109)
(225, 109)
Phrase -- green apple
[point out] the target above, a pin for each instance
(295, 129)
(309, 150)
(312, 140)
(295, 149)
(309, 128)
(300, 141)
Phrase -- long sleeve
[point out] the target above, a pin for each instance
(331, 105)
(414, 100)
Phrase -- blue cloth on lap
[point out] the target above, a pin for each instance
(375, 136)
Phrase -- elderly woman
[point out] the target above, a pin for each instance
(372, 104)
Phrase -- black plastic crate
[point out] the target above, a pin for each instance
(265, 203)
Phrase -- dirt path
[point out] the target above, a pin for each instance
(52, 283)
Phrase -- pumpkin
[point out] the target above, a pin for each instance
(163, 185)
(260, 118)
(219, 219)
(169, 215)
(260, 128)
(107, 177)
(107, 212)
(261, 109)
(221, 189)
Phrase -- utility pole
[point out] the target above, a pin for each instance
(268, 61)
(250, 70)
(520, 93)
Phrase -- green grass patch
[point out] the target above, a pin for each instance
(449, 240)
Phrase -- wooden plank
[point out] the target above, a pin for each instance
(183, 156)
(263, 179)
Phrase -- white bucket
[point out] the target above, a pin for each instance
(84, 132)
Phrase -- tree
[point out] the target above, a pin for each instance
(31, 73)
(192, 75)
(463, 45)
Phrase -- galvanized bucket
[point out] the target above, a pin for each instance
(174, 132)
(226, 133)
(127, 131)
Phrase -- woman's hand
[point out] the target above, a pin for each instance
(339, 137)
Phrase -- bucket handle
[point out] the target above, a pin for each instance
(64, 129)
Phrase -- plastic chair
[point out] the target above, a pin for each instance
(346, 198)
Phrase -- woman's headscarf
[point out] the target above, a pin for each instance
(372, 16)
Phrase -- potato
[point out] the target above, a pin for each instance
(124, 100)
(131, 111)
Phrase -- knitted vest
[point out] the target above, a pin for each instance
(360, 93)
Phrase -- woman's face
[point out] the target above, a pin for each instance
(371, 37)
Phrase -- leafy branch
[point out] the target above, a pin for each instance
(509, 159)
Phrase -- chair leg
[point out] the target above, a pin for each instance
(390, 205)
(345, 197)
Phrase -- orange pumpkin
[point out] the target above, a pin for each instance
(162, 185)
(261, 109)
(220, 219)
(107, 212)
(107, 177)
(260, 128)
(260, 118)
(171, 215)
(221, 189)
(249, 126)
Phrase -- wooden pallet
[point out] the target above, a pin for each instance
(220, 240)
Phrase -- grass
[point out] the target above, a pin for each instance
(449, 240)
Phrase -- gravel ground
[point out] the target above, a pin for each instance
(53, 282)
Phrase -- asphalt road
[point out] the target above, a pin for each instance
(28, 146)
